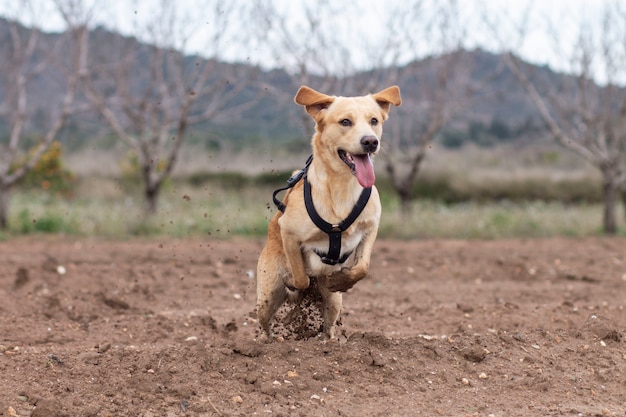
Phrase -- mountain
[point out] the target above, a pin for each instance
(499, 109)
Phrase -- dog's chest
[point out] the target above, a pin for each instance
(314, 248)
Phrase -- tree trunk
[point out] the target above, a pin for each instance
(152, 198)
(623, 192)
(405, 201)
(610, 190)
(4, 207)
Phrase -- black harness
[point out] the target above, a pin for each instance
(333, 231)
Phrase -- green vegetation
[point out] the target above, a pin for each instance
(506, 194)
(49, 174)
(219, 209)
(431, 219)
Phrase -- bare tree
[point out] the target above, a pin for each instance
(23, 58)
(585, 114)
(153, 92)
(444, 92)
(432, 37)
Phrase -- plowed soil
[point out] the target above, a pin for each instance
(455, 328)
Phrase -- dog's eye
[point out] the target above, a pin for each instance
(374, 121)
(346, 122)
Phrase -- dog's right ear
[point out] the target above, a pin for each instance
(313, 101)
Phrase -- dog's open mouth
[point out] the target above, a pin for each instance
(361, 166)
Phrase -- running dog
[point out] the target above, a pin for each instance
(328, 221)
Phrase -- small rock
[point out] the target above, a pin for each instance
(378, 359)
(61, 270)
(465, 381)
(315, 397)
(482, 375)
(104, 347)
(474, 354)
(292, 374)
(236, 399)
(11, 412)
(237, 296)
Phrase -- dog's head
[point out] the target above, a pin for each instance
(349, 129)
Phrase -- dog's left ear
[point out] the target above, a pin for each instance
(313, 101)
(388, 96)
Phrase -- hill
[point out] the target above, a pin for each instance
(499, 111)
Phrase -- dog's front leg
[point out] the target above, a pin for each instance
(345, 278)
(298, 279)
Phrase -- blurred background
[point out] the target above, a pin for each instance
(153, 117)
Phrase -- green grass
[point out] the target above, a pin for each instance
(430, 219)
(218, 211)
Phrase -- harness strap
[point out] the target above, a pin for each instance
(334, 230)
(324, 255)
(293, 180)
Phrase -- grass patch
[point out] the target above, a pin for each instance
(432, 219)
(43, 220)
(222, 211)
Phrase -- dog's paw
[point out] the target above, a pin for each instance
(340, 281)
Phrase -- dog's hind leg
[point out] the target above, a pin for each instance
(331, 307)
(270, 291)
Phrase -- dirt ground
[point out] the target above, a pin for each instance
(455, 328)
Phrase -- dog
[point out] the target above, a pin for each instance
(335, 253)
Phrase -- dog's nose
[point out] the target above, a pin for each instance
(369, 143)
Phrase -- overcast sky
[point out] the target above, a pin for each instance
(564, 17)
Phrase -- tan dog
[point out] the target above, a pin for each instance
(348, 132)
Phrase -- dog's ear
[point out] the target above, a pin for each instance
(312, 100)
(388, 96)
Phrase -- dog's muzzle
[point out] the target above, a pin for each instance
(369, 144)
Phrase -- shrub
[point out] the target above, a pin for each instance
(48, 223)
(49, 173)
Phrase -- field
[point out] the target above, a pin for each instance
(166, 327)
(496, 305)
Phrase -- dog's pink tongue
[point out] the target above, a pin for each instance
(364, 170)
